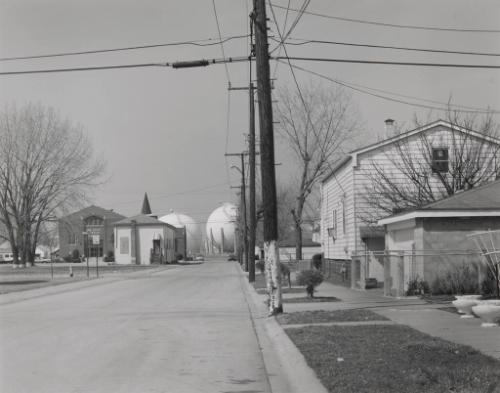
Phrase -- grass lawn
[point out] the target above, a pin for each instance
(38, 276)
(329, 316)
(393, 359)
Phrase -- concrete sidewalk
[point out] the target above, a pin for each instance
(413, 312)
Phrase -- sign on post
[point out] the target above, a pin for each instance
(95, 239)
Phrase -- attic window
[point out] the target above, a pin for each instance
(439, 160)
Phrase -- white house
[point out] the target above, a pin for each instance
(142, 240)
(346, 232)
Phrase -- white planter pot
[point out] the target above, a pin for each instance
(495, 302)
(474, 297)
(464, 306)
(490, 313)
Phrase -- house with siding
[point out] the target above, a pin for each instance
(349, 229)
(443, 231)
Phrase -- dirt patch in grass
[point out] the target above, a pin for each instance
(263, 291)
(316, 299)
(440, 299)
(329, 316)
(453, 310)
(393, 359)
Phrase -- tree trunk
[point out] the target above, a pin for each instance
(298, 242)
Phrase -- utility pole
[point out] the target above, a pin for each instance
(243, 209)
(251, 164)
(273, 276)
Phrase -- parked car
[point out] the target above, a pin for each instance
(199, 257)
(232, 257)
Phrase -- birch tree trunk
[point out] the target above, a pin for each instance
(273, 277)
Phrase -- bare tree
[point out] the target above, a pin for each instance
(317, 123)
(46, 164)
(416, 175)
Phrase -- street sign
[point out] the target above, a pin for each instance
(95, 239)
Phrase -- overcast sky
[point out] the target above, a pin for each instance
(164, 131)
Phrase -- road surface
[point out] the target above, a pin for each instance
(186, 329)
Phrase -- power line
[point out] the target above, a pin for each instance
(126, 48)
(221, 44)
(305, 41)
(302, 98)
(383, 62)
(432, 28)
(347, 85)
(175, 65)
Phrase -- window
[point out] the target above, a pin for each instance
(71, 237)
(93, 221)
(439, 160)
(124, 245)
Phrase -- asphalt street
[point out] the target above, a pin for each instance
(187, 329)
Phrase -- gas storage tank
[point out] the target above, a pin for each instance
(221, 225)
(193, 230)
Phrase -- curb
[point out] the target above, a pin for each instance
(286, 367)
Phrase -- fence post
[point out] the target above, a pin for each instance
(387, 273)
(401, 275)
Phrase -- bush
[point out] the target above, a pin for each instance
(310, 279)
(179, 257)
(489, 284)
(261, 266)
(110, 257)
(317, 261)
(417, 286)
(457, 280)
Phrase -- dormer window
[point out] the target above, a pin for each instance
(440, 160)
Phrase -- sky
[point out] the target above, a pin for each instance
(166, 132)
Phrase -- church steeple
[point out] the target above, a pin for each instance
(146, 209)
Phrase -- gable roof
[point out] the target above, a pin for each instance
(424, 128)
(93, 210)
(142, 219)
(483, 201)
(339, 164)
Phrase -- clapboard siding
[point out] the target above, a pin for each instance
(337, 194)
(353, 182)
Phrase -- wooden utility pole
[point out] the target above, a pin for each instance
(273, 276)
(251, 164)
(243, 209)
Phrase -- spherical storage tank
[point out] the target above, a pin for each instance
(193, 230)
(222, 222)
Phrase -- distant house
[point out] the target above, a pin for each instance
(89, 230)
(346, 233)
(432, 238)
(143, 239)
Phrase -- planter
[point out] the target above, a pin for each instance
(474, 297)
(490, 313)
(464, 306)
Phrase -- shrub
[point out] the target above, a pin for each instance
(310, 279)
(179, 257)
(75, 255)
(317, 261)
(261, 266)
(417, 286)
(456, 280)
(110, 256)
(489, 284)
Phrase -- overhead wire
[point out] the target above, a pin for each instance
(305, 41)
(398, 26)
(175, 65)
(220, 38)
(126, 48)
(300, 93)
(384, 62)
(352, 87)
